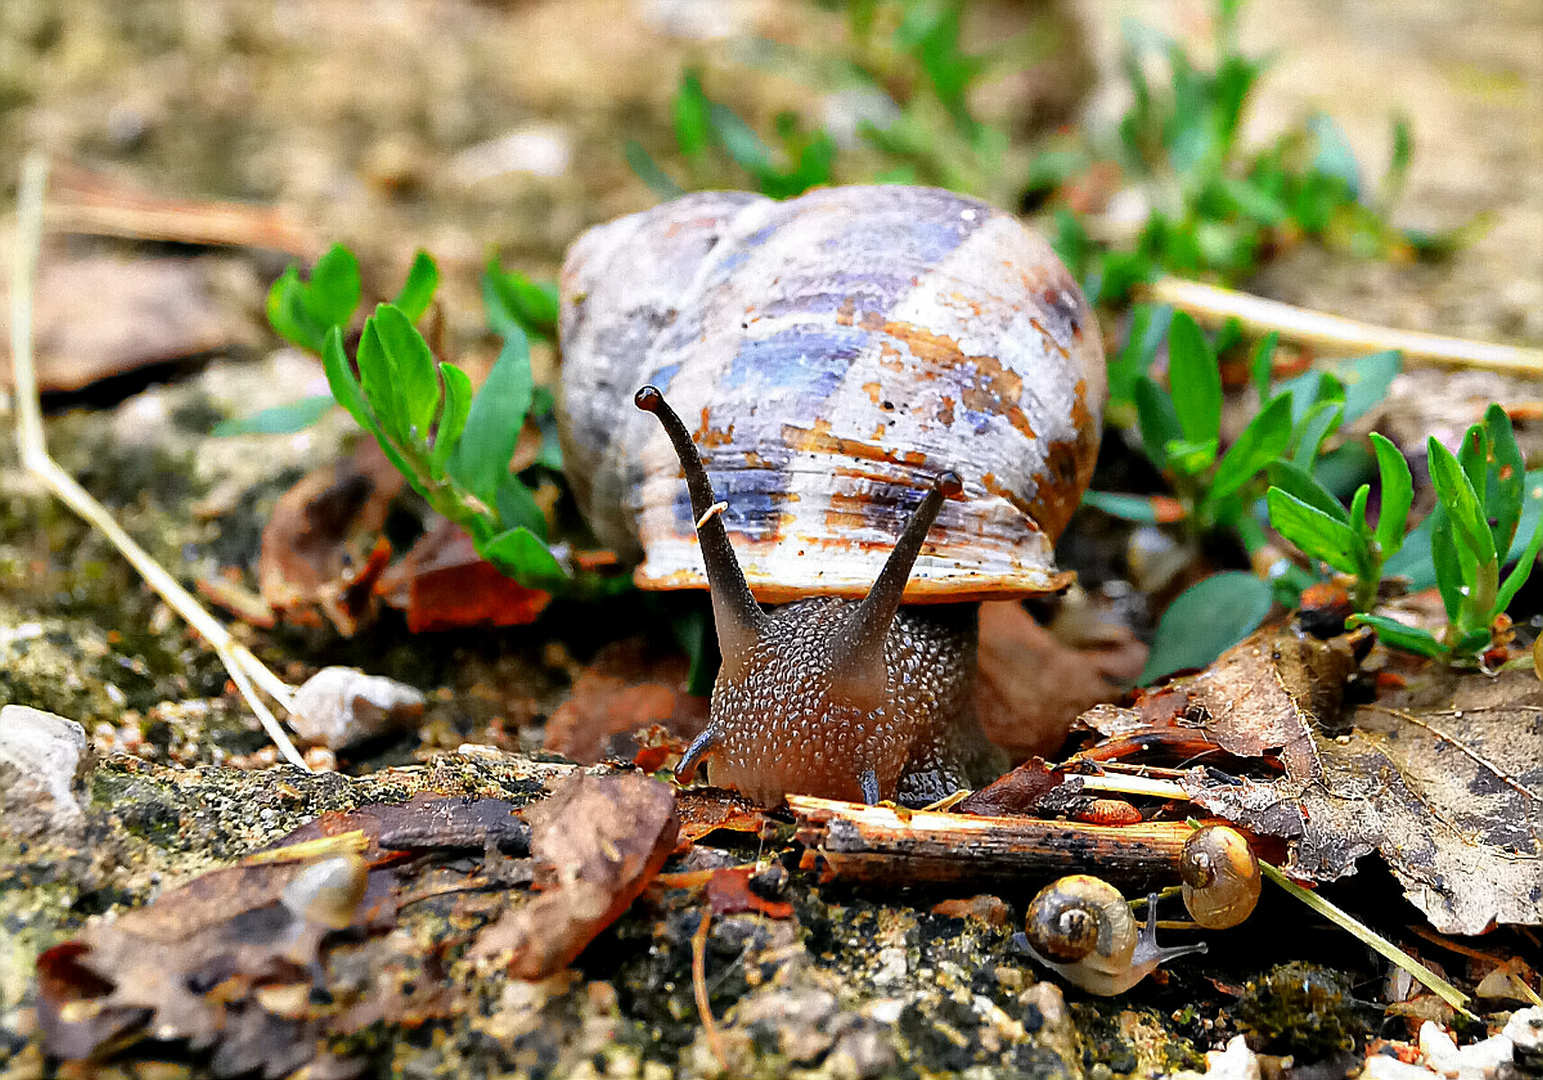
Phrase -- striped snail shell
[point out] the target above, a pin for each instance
(831, 355)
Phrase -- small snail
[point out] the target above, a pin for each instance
(835, 358)
(1221, 877)
(1082, 929)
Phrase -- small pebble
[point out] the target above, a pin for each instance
(43, 759)
(338, 707)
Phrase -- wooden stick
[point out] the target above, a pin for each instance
(888, 844)
(1213, 304)
(244, 668)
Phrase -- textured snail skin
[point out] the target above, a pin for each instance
(785, 725)
(1087, 923)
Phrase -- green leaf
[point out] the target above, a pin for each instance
(1334, 157)
(690, 113)
(333, 291)
(1148, 326)
(1261, 442)
(515, 302)
(1317, 534)
(1397, 495)
(517, 507)
(1301, 485)
(1194, 380)
(1321, 422)
(1366, 380)
(418, 290)
(481, 461)
(278, 420)
(1398, 165)
(1461, 503)
(1262, 364)
(1358, 511)
(379, 383)
(1449, 564)
(520, 554)
(1190, 459)
(1157, 418)
(452, 418)
(345, 387)
(647, 169)
(740, 141)
(1526, 563)
(412, 370)
(1392, 632)
(288, 316)
(1126, 507)
(1204, 621)
(1505, 478)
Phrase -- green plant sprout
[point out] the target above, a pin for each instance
(1482, 492)
(1304, 512)
(453, 446)
(1181, 426)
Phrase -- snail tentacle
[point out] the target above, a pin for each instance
(739, 619)
(858, 671)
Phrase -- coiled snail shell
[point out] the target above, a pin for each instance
(1221, 878)
(834, 357)
(1081, 927)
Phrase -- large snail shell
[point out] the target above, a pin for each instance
(832, 354)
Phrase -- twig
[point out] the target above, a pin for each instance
(1132, 785)
(699, 987)
(1345, 921)
(244, 668)
(1213, 304)
(887, 844)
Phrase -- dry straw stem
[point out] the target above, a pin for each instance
(1347, 922)
(1212, 304)
(244, 668)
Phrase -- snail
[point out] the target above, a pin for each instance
(1221, 878)
(852, 366)
(1080, 927)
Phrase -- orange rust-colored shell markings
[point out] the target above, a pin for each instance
(996, 390)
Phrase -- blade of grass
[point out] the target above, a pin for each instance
(1364, 934)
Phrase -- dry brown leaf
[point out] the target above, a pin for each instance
(629, 686)
(443, 584)
(1032, 687)
(600, 841)
(103, 315)
(314, 545)
(1441, 777)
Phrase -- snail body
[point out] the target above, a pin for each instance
(834, 355)
(1221, 877)
(1082, 928)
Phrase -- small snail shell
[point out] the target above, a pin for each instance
(850, 368)
(1221, 877)
(1081, 927)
